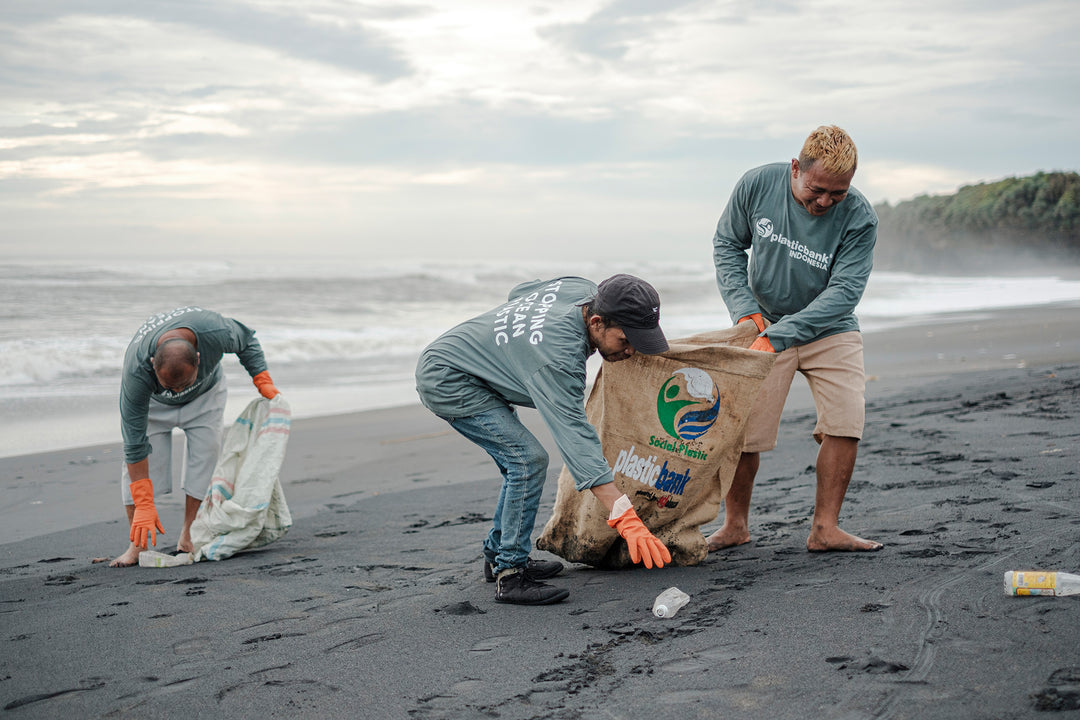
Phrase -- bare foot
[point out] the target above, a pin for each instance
(836, 540)
(128, 559)
(183, 543)
(727, 537)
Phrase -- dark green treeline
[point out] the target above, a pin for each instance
(1009, 225)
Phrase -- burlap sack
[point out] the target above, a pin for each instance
(672, 429)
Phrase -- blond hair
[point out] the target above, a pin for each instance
(833, 147)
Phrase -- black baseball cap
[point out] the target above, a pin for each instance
(634, 305)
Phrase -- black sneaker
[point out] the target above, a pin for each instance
(517, 587)
(537, 569)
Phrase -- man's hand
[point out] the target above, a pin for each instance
(758, 320)
(145, 520)
(762, 344)
(265, 385)
(643, 545)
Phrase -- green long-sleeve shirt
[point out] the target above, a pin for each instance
(805, 274)
(215, 335)
(531, 351)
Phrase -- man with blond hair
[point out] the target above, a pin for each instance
(812, 239)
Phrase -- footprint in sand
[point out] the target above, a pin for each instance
(704, 659)
(1062, 692)
(192, 646)
(356, 643)
(489, 644)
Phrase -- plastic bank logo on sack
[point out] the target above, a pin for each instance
(688, 404)
(646, 470)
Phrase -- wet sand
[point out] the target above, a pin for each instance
(374, 604)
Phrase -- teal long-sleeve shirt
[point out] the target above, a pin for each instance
(805, 274)
(530, 351)
(215, 335)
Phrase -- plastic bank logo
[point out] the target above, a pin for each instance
(764, 229)
(688, 404)
(644, 469)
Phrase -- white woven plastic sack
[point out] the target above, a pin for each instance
(245, 507)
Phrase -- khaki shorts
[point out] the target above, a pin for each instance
(833, 367)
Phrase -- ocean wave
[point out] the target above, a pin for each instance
(66, 322)
(43, 361)
(894, 295)
(39, 362)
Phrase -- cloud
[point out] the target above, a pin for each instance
(331, 33)
(896, 181)
(632, 118)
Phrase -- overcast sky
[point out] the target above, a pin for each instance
(497, 128)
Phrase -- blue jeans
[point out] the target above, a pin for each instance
(523, 462)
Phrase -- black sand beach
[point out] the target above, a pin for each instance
(374, 604)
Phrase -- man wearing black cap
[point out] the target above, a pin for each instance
(531, 351)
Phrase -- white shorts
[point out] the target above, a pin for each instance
(203, 422)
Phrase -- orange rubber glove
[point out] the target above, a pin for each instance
(643, 545)
(145, 520)
(758, 320)
(265, 385)
(762, 344)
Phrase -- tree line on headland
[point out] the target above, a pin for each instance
(1010, 225)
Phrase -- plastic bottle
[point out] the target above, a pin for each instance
(1041, 582)
(668, 602)
(150, 558)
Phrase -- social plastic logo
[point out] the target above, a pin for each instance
(764, 227)
(688, 404)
